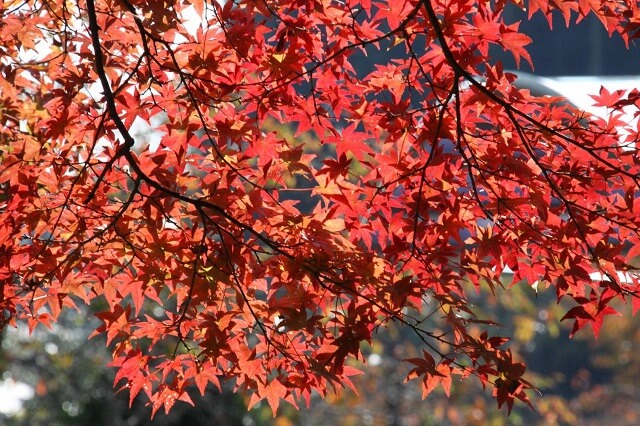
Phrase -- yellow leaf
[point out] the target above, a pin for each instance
(31, 149)
(334, 225)
(279, 57)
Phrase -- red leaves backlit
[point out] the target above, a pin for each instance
(591, 310)
(430, 373)
(249, 190)
(515, 42)
(272, 392)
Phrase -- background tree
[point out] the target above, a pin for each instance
(440, 173)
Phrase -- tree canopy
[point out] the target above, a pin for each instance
(252, 188)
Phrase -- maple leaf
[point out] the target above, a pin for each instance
(433, 374)
(515, 42)
(273, 391)
(351, 141)
(607, 99)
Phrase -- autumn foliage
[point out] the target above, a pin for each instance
(224, 248)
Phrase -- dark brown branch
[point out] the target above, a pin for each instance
(94, 30)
